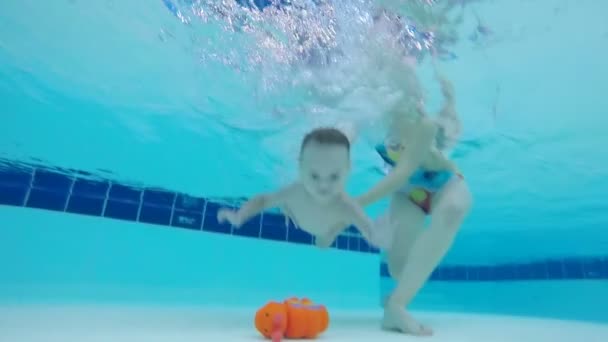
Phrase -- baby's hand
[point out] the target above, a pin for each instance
(229, 215)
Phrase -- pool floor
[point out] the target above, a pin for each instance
(149, 324)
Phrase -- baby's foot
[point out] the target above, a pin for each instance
(396, 318)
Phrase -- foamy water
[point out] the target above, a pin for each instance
(120, 323)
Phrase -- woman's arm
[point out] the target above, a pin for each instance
(420, 139)
(447, 120)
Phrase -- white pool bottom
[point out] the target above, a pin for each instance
(149, 324)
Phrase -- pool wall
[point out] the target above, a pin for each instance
(70, 237)
(582, 300)
(51, 256)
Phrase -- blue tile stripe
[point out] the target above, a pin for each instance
(76, 192)
(580, 268)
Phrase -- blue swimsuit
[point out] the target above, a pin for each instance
(423, 184)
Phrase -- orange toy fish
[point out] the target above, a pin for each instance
(293, 318)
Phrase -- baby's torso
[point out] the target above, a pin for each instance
(310, 215)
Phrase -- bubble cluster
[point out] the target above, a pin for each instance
(323, 59)
(316, 32)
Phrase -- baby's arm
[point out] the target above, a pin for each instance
(358, 218)
(421, 138)
(254, 206)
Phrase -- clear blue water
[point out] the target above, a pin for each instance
(129, 91)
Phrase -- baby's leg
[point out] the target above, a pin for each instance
(450, 208)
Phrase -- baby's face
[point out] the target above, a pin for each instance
(324, 170)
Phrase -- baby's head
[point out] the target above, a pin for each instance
(324, 163)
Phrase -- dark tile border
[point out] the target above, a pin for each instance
(75, 192)
(569, 268)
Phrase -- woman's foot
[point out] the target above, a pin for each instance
(397, 319)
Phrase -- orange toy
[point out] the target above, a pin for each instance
(293, 318)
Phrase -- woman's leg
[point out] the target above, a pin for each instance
(405, 216)
(450, 207)
(408, 224)
(407, 221)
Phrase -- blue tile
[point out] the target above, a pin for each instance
(524, 272)
(15, 177)
(473, 273)
(189, 203)
(121, 210)
(353, 243)
(573, 269)
(446, 273)
(593, 268)
(155, 215)
(353, 230)
(538, 270)
(159, 198)
(187, 219)
(90, 188)
(124, 193)
(374, 250)
(273, 227)
(485, 273)
(43, 199)
(211, 208)
(436, 275)
(363, 245)
(505, 272)
(251, 228)
(12, 195)
(605, 268)
(85, 205)
(441, 273)
(52, 181)
(342, 242)
(297, 235)
(384, 270)
(271, 219)
(210, 224)
(555, 269)
(453, 273)
(460, 273)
